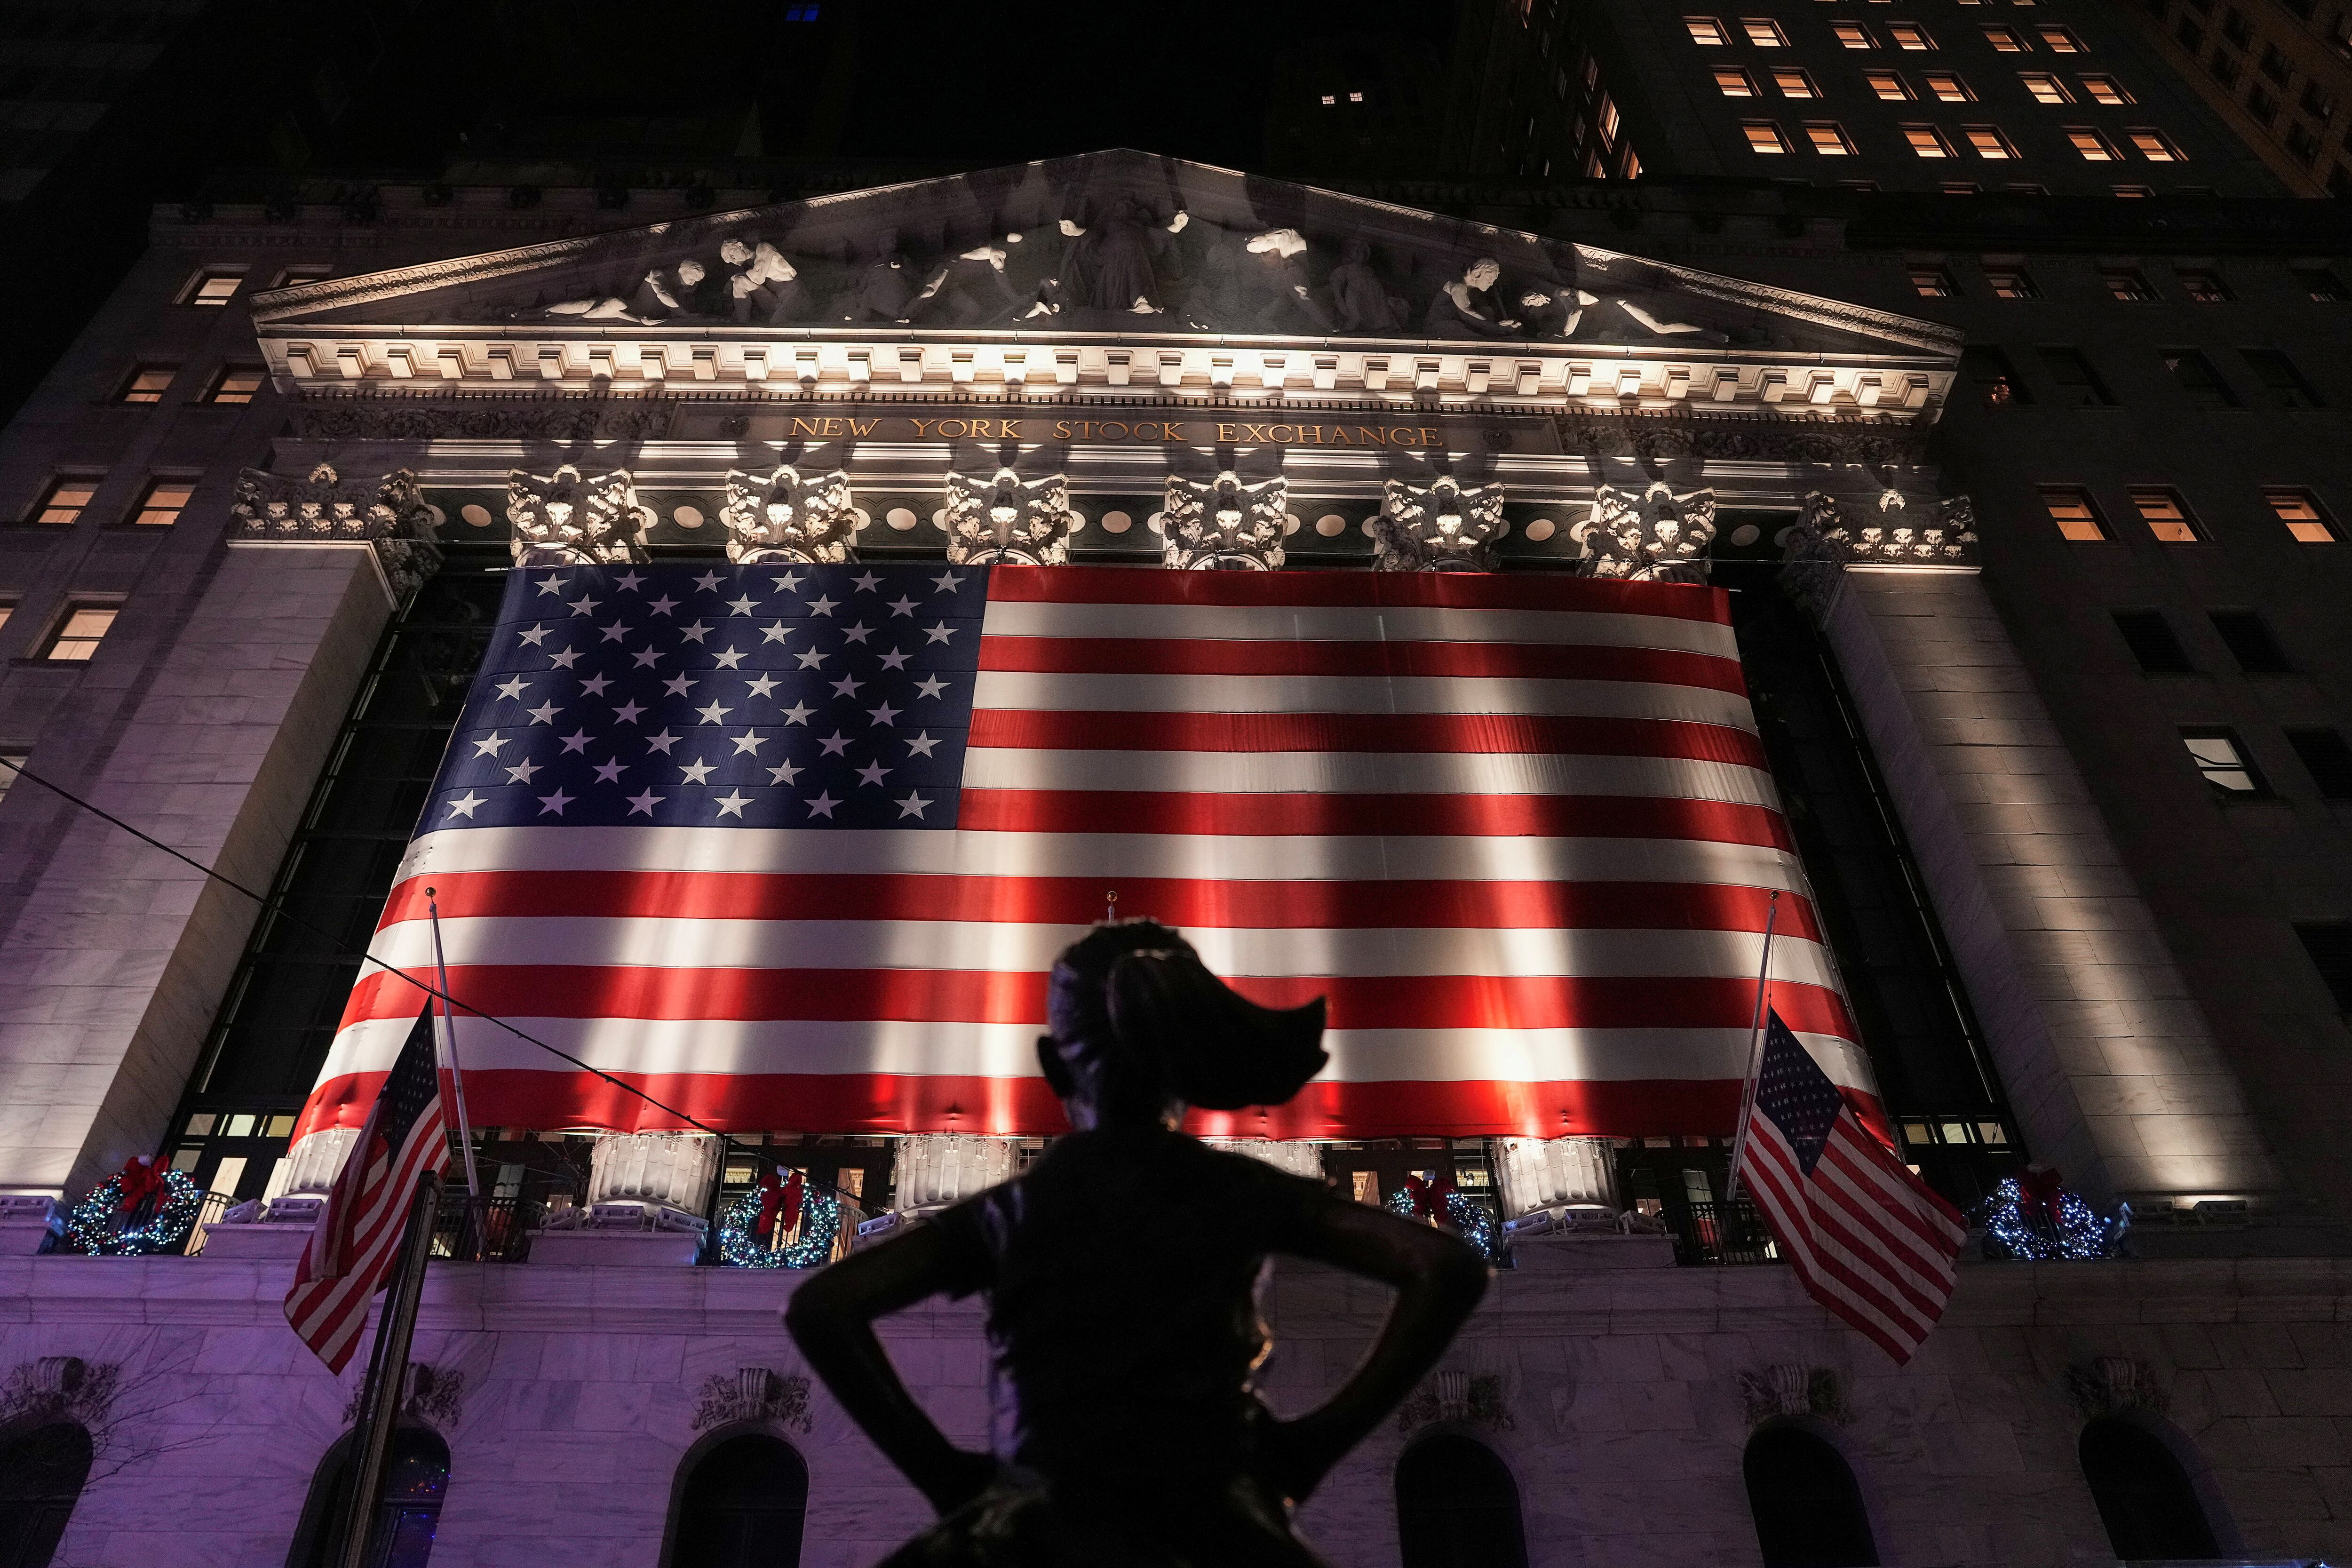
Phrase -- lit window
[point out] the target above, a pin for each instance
(1330, 99)
(2154, 145)
(1606, 121)
(1633, 165)
(1355, 98)
(164, 500)
(1887, 85)
(236, 383)
(2092, 146)
(2005, 40)
(85, 627)
(65, 501)
(2046, 88)
(2251, 642)
(2223, 760)
(307, 272)
(1933, 283)
(2281, 380)
(2106, 89)
(1853, 36)
(2079, 385)
(146, 384)
(1794, 84)
(1763, 136)
(2205, 287)
(2011, 283)
(2060, 40)
(1926, 140)
(2075, 513)
(2166, 514)
(1828, 140)
(212, 289)
(1705, 30)
(1734, 82)
(1988, 141)
(2301, 512)
(1763, 32)
(2324, 286)
(2134, 193)
(1948, 88)
(1909, 36)
(2127, 284)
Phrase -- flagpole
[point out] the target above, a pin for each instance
(457, 1079)
(1755, 1033)
(387, 1372)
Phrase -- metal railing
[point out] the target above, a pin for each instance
(1719, 1233)
(215, 1204)
(501, 1236)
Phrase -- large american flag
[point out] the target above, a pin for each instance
(793, 848)
(352, 1246)
(1870, 1240)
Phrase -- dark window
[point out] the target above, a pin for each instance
(2144, 1496)
(2263, 106)
(2124, 283)
(2197, 377)
(401, 1531)
(2281, 382)
(1458, 1506)
(1995, 379)
(2327, 758)
(2189, 34)
(2075, 513)
(2078, 384)
(2275, 65)
(2152, 642)
(2222, 758)
(2302, 142)
(2322, 284)
(2248, 638)
(2317, 102)
(742, 1507)
(41, 1474)
(2205, 287)
(2329, 945)
(2237, 29)
(1808, 1511)
(2223, 66)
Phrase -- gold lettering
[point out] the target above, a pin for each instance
(1171, 431)
(1431, 436)
(1367, 436)
(1253, 432)
(1312, 435)
(803, 427)
(1338, 436)
(833, 427)
(1061, 429)
(1226, 433)
(919, 424)
(963, 428)
(1113, 430)
(863, 426)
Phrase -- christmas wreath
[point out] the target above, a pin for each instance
(145, 1207)
(749, 1227)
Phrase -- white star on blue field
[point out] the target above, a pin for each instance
(705, 696)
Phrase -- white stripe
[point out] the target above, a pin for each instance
(925, 1049)
(1208, 857)
(1057, 691)
(1355, 623)
(1366, 772)
(1781, 1191)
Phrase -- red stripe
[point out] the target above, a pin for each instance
(1836, 1226)
(1450, 590)
(1302, 815)
(956, 996)
(1778, 1192)
(1038, 728)
(1239, 655)
(1077, 900)
(1023, 1107)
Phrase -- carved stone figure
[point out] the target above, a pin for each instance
(1225, 525)
(883, 291)
(1642, 314)
(966, 288)
(1360, 300)
(654, 300)
(391, 515)
(1441, 527)
(764, 285)
(1003, 521)
(1109, 266)
(1655, 537)
(564, 520)
(1943, 535)
(788, 516)
(1121, 1272)
(1552, 315)
(1277, 293)
(1466, 308)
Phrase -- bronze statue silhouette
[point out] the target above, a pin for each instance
(1121, 1271)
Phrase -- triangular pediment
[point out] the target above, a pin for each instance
(1114, 243)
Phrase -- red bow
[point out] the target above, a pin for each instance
(2040, 1193)
(1429, 1197)
(779, 1203)
(143, 1178)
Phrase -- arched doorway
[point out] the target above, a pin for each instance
(1458, 1506)
(41, 1474)
(1808, 1511)
(742, 1506)
(2144, 1497)
(401, 1535)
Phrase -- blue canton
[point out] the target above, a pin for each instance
(1796, 1093)
(720, 696)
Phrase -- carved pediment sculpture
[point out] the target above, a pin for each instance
(1655, 537)
(791, 516)
(1443, 527)
(1224, 525)
(1942, 532)
(320, 507)
(1006, 520)
(565, 520)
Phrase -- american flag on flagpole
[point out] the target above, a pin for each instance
(354, 1243)
(794, 848)
(1870, 1240)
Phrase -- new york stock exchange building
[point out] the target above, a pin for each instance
(765, 637)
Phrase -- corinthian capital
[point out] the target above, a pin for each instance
(1656, 536)
(564, 520)
(790, 516)
(1441, 527)
(1003, 521)
(1225, 525)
